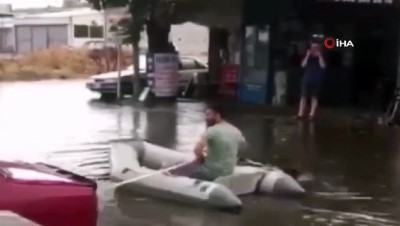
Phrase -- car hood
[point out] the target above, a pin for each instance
(111, 74)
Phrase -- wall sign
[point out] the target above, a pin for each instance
(166, 74)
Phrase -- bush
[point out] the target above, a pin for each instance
(54, 63)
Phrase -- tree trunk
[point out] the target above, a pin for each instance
(218, 41)
(158, 27)
(158, 37)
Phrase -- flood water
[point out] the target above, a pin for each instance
(351, 173)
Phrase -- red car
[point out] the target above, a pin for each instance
(47, 195)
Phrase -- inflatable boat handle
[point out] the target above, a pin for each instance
(164, 170)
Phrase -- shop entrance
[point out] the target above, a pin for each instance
(367, 68)
(375, 64)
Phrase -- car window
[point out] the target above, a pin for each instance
(188, 64)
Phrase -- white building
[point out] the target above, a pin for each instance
(6, 35)
(6, 29)
(73, 28)
(28, 32)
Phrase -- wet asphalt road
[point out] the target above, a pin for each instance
(351, 174)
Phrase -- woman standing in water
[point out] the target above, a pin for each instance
(314, 68)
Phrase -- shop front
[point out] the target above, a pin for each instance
(254, 86)
(255, 65)
(275, 35)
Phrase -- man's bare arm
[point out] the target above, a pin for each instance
(199, 148)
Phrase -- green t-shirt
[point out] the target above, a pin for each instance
(223, 143)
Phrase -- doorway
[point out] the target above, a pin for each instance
(373, 67)
(367, 69)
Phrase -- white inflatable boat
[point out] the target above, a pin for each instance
(144, 158)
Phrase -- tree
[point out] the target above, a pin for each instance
(152, 15)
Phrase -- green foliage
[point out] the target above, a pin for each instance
(139, 10)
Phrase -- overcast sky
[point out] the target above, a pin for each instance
(19, 4)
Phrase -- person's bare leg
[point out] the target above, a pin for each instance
(302, 106)
(314, 106)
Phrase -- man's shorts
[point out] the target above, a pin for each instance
(310, 89)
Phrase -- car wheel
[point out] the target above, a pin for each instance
(108, 96)
(188, 90)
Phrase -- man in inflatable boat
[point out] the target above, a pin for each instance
(217, 149)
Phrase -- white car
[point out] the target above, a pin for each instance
(106, 83)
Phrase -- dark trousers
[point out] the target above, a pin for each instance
(194, 170)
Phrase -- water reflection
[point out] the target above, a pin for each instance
(349, 172)
(161, 124)
(143, 211)
(308, 148)
(259, 135)
(294, 146)
(136, 123)
(190, 125)
(395, 165)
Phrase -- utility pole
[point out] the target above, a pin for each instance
(105, 29)
(136, 72)
(119, 70)
(119, 35)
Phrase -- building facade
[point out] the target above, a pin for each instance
(72, 28)
(276, 34)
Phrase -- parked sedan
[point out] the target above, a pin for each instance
(190, 69)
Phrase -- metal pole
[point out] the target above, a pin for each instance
(136, 73)
(105, 30)
(2, 34)
(119, 70)
(398, 63)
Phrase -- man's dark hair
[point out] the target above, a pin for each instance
(216, 108)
